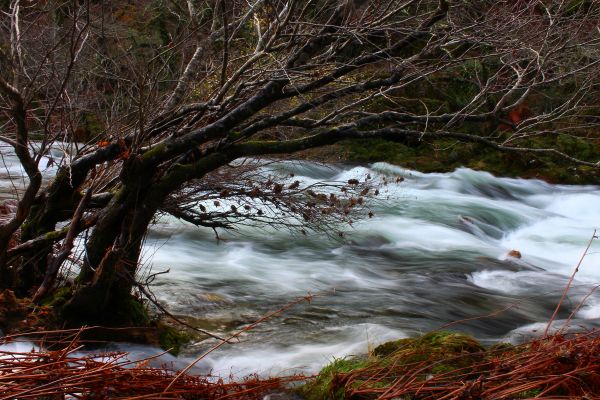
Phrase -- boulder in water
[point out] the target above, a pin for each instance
(514, 254)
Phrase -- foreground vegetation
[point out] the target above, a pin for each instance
(165, 96)
(448, 365)
(438, 365)
(60, 372)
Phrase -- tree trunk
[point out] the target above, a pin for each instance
(52, 206)
(105, 283)
(103, 295)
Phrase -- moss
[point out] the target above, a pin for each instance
(171, 339)
(326, 385)
(443, 351)
(388, 348)
(452, 90)
(134, 311)
(56, 235)
(501, 348)
(372, 150)
(59, 297)
(452, 342)
(446, 156)
(155, 151)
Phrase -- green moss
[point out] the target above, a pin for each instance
(452, 342)
(155, 151)
(56, 235)
(59, 297)
(388, 348)
(326, 385)
(372, 150)
(171, 339)
(446, 156)
(133, 310)
(452, 90)
(443, 351)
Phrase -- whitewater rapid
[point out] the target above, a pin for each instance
(436, 251)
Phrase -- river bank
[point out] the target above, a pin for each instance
(445, 157)
(437, 365)
(447, 365)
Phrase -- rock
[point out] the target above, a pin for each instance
(514, 254)
(212, 298)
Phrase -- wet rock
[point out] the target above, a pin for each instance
(514, 254)
(212, 298)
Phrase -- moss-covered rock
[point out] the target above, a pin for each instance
(326, 385)
(440, 352)
(171, 338)
(446, 351)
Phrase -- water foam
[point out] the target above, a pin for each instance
(307, 357)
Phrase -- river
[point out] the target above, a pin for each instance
(436, 251)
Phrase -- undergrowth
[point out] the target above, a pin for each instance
(450, 365)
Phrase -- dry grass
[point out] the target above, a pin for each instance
(554, 367)
(60, 374)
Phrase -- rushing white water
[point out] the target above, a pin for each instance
(437, 251)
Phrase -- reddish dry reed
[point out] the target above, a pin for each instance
(53, 371)
(554, 367)
(61, 374)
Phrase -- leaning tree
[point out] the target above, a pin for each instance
(168, 107)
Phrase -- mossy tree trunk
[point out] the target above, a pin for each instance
(112, 252)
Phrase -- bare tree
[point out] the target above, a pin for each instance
(178, 91)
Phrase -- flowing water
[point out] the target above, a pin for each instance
(436, 251)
